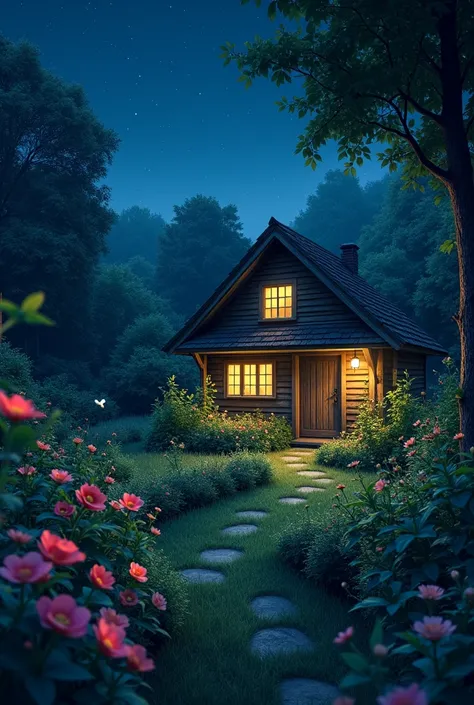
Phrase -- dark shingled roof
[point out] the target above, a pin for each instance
(385, 322)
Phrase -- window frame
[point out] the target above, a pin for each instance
(268, 285)
(241, 363)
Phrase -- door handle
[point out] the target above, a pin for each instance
(333, 396)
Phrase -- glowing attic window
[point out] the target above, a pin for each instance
(278, 301)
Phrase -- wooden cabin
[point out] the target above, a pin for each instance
(294, 330)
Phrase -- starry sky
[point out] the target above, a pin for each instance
(152, 72)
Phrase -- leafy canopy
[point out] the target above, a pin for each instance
(371, 76)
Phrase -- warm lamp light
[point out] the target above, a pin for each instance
(355, 362)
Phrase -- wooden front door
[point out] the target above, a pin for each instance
(320, 394)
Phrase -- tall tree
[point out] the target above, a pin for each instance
(336, 212)
(54, 213)
(197, 250)
(399, 73)
(135, 233)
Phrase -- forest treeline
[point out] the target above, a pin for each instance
(119, 285)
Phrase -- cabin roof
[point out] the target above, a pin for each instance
(385, 323)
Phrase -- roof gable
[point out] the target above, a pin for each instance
(390, 325)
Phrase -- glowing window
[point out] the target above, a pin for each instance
(250, 380)
(278, 301)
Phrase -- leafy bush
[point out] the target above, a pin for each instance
(16, 369)
(317, 547)
(376, 431)
(414, 536)
(249, 470)
(125, 429)
(167, 581)
(194, 419)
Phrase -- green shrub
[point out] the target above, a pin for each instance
(194, 419)
(16, 369)
(126, 429)
(216, 472)
(295, 540)
(195, 487)
(166, 580)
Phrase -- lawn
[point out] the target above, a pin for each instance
(210, 662)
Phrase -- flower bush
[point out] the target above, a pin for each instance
(195, 420)
(413, 531)
(76, 600)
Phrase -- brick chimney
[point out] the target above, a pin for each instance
(349, 257)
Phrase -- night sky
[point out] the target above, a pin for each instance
(152, 72)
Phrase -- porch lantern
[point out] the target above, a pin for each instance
(355, 362)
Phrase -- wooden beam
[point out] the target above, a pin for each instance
(343, 392)
(371, 359)
(296, 395)
(198, 360)
(379, 378)
(394, 368)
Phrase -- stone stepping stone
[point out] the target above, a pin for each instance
(297, 465)
(305, 490)
(202, 575)
(311, 473)
(251, 514)
(303, 452)
(291, 458)
(306, 691)
(325, 480)
(279, 640)
(291, 500)
(272, 607)
(221, 555)
(239, 529)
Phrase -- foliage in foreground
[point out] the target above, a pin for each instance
(413, 531)
(184, 488)
(195, 420)
(75, 605)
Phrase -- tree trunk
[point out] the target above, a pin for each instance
(461, 191)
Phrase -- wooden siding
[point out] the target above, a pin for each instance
(280, 405)
(415, 365)
(314, 301)
(356, 384)
(389, 378)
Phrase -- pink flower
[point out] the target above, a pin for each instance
(341, 487)
(58, 550)
(411, 454)
(109, 480)
(344, 636)
(77, 441)
(354, 464)
(63, 615)
(20, 537)
(30, 568)
(458, 437)
(417, 423)
(155, 531)
(159, 601)
(468, 595)
(436, 430)
(128, 598)
(131, 502)
(43, 446)
(434, 628)
(91, 497)
(110, 638)
(91, 448)
(413, 695)
(115, 505)
(137, 659)
(410, 442)
(138, 572)
(60, 476)
(430, 592)
(380, 485)
(380, 650)
(64, 509)
(112, 617)
(101, 578)
(17, 408)
(27, 470)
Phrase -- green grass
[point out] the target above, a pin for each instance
(131, 431)
(210, 662)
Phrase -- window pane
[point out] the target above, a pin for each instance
(278, 301)
(250, 380)
(265, 380)
(233, 380)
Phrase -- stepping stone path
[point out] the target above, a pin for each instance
(221, 555)
(239, 529)
(306, 691)
(202, 575)
(291, 458)
(325, 480)
(297, 465)
(291, 500)
(272, 607)
(251, 514)
(311, 473)
(304, 490)
(279, 640)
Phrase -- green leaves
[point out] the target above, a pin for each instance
(448, 245)
(28, 312)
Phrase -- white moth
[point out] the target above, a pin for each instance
(100, 403)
